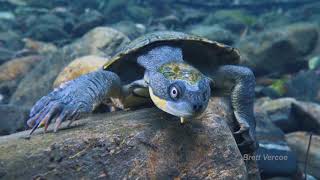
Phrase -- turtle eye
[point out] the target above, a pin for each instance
(175, 92)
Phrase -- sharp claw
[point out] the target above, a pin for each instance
(49, 116)
(248, 143)
(34, 127)
(57, 125)
(38, 119)
(37, 116)
(41, 124)
(241, 130)
(74, 116)
(46, 127)
(59, 120)
(245, 137)
(33, 120)
(47, 122)
(30, 123)
(39, 105)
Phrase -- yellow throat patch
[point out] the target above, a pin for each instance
(160, 103)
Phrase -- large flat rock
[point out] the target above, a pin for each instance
(146, 144)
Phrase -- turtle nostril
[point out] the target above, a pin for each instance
(194, 107)
(197, 107)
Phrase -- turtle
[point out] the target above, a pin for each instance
(176, 71)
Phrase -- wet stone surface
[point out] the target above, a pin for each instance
(145, 143)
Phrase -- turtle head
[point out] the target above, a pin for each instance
(179, 89)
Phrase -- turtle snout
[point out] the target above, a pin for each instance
(197, 107)
(198, 102)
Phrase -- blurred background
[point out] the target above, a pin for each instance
(278, 39)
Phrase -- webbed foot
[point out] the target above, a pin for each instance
(245, 135)
(246, 139)
(74, 98)
(61, 104)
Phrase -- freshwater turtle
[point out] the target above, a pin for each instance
(178, 72)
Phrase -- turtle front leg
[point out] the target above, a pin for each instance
(239, 82)
(74, 98)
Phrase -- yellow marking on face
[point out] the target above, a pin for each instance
(181, 71)
(176, 69)
(160, 103)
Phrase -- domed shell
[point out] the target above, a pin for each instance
(204, 54)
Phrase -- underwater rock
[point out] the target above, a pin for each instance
(303, 37)
(70, 18)
(114, 5)
(36, 3)
(47, 33)
(299, 141)
(139, 14)
(5, 54)
(261, 91)
(5, 25)
(237, 21)
(157, 27)
(88, 20)
(12, 119)
(192, 16)
(11, 40)
(47, 27)
(38, 82)
(170, 21)
(7, 88)
(146, 143)
(7, 15)
(305, 86)
(279, 111)
(48, 19)
(279, 50)
(291, 115)
(13, 71)
(309, 113)
(272, 144)
(78, 67)
(101, 41)
(214, 33)
(18, 67)
(314, 63)
(272, 87)
(280, 86)
(39, 47)
(130, 29)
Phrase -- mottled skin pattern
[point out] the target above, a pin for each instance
(182, 71)
(174, 86)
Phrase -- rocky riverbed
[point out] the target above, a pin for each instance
(45, 43)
